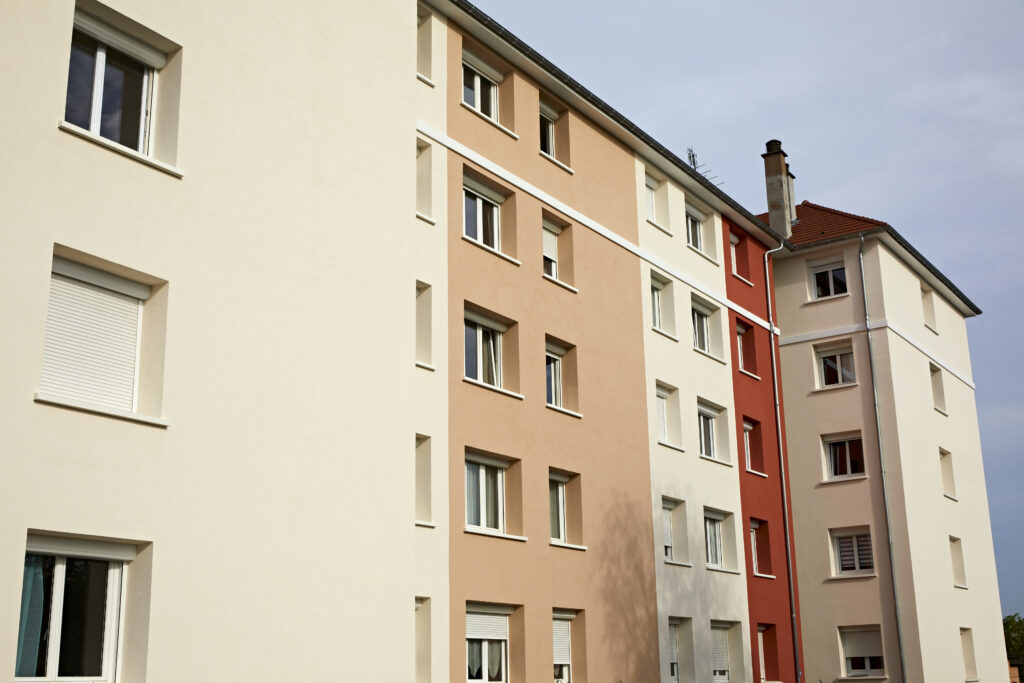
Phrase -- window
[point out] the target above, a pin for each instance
(948, 480)
(707, 333)
(836, 367)
(422, 635)
(424, 176)
(853, 553)
(423, 324)
(480, 86)
(486, 647)
(110, 83)
(423, 488)
(956, 554)
(667, 404)
(423, 42)
(553, 374)
(706, 417)
(928, 308)
(720, 653)
(560, 374)
(967, 649)
(845, 458)
(738, 252)
(483, 349)
(548, 116)
(938, 393)
(673, 652)
(746, 353)
(713, 538)
(667, 506)
(760, 547)
(767, 653)
(485, 492)
(551, 232)
(752, 445)
(562, 649)
(828, 280)
(862, 651)
(694, 229)
(481, 216)
(556, 497)
(680, 649)
(701, 333)
(70, 608)
(94, 334)
(662, 307)
(651, 185)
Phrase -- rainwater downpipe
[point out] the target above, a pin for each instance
(773, 347)
(881, 461)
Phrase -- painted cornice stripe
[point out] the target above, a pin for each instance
(509, 177)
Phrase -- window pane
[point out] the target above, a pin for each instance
(83, 618)
(490, 216)
(122, 99)
(550, 267)
(830, 370)
(472, 352)
(486, 98)
(821, 287)
(490, 356)
(556, 527)
(78, 105)
(856, 456)
(662, 419)
(551, 372)
(656, 306)
(650, 203)
(470, 219)
(838, 458)
(545, 136)
(495, 670)
(34, 627)
(846, 360)
(847, 560)
(474, 655)
(472, 494)
(491, 498)
(467, 86)
(707, 436)
(839, 281)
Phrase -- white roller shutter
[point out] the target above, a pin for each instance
(550, 244)
(91, 345)
(486, 626)
(720, 654)
(673, 643)
(560, 644)
(862, 644)
(666, 527)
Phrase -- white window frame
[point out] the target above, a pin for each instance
(701, 324)
(829, 268)
(863, 552)
(61, 549)
(837, 355)
(706, 415)
(486, 463)
(741, 330)
(550, 233)
(496, 330)
(858, 673)
(487, 199)
(667, 529)
(553, 373)
(656, 287)
(662, 395)
(559, 481)
(484, 652)
(748, 429)
(754, 526)
(651, 185)
(830, 444)
(713, 548)
(695, 229)
(482, 72)
(734, 240)
(548, 117)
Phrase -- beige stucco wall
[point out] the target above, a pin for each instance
(278, 520)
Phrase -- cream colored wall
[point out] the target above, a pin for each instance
(279, 517)
(431, 385)
(693, 592)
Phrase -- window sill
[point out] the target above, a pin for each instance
(756, 473)
(851, 577)
(491, 121)
(726, 463)
(425, 218)
(492, 250)
(49, 399)
(932, 328)
(557, 163)
(840, 480)
(425, 366)
(764, 576)
(665, 334)
(677, 563)
(558, 282)
(940, 411)
(960, 586)
(723, 570)
(480, 531)
(825, 298)
(660, 227)
(568, 546)
(426, 525)
(749, 374)
(952, 498)
(120, 149)
(743, 280)
(834, 387)
(565, 411)
(423, 79)
(863, 678)
(506, 392)
(672, 446)
(710, 355)
(698, 251)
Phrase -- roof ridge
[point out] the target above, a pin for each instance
(844, 213)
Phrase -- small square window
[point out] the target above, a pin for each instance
(845, 458)
(479, 92)
(852, 552)
(828, 280)
(836, 367)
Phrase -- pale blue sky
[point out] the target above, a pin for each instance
(908, 112)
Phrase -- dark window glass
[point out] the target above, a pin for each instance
(549, 363)
(831, 370)
(839, 281)
(821, 286)
(83, 618)
(876, 663)
(856, 663)
(856, 456)
(81, 71)
(472, 352)
(34, 627)
(467, 86)
(545, 136)
(486, 98)
(490, 224)
(470, 215)
(122, 99)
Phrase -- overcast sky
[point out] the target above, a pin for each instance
(908, 112)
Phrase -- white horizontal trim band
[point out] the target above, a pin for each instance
(509, 177)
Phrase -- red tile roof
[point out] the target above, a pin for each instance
(816, 223)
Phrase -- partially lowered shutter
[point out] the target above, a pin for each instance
(666, 527)
(862, 644)
(550, 244)
(91, 344)
(560, 642)
(673, 643)
(720, 654)
(486, 626)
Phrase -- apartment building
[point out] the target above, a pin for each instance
(891, 513)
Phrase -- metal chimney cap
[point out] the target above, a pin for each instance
(773, 146)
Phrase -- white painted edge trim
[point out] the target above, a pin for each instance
(566, 411)
(743, 280)
(558, 282)
(666, 444)
(835, 387)
(755, 472)
(120, 149)
(764, 576)
(425, 525)
(822, 334)
(663, 333)
(659, 226)
(557, 163)
(425, 218)
(710, 355)
(941, 411)
(677, 563)
(749, 374)
(80, 547)
(499, 390)
(960, 586)
(840, 480)
(931, 356)
(425, 366)
(851, 577)
(423, 79)
(570, 546)
(480, 531)
(493, 251)
(952, 498)
(698, 251)
(825, 298)
(50, 399)
(722, 570)
(716, 460)
(491, 121)
(463, 151)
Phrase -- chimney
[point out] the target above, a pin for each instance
(779, 185)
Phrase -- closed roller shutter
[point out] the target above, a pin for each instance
(91, 344)
(862, 644)
(720, 655)
(560, 631)
(550, 244)
(666, 527)
(673, 643)
(486, 626)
